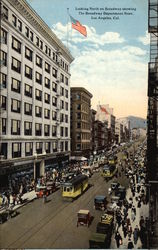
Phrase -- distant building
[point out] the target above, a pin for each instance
(105, 113)
(80, 121)
(118, 132)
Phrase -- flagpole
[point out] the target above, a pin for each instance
(67, 26)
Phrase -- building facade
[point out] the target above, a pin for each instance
(100, 136)
(118, 132)
(152, 124)
(80, 121)
(35, 90)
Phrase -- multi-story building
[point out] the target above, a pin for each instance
(118, 132)
(152, 124)
(100, 136)
(93, 114)
(80, 121)
(105, 113)
(35, 91)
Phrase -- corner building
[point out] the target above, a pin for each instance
(34, 93)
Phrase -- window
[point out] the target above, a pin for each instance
(66, 146)
(15, 86)
(39, 147)
(66, 132)
(15, 105)
(78, 106)
(61, 131)
(55, 72)
(37, 41)
(38, 111)
(78, 115)
(47, 67)
(61, 104)
(78, 125)
(46, 98)
(38, 94)
(54, 101)
(46, 130)
(16, 45)
(19, 25)
(38, 129)
(27, 108)
(61, 117)
(54, 87)
(31, 36)
(3, 58)
(47, 113)
(28, 72)
(27, 128)
(47, 147)
(54, 130)
(5, 12)
(15, 127)
(3, 36)
(14, 20)
(38, 78)
(3, 80)
(54, 115)
(16, 150)
(46, 49)
(66, 118)
(27, 31)
(3, 126)
(39, 61)
(78, 136)
(41, 45)
(66, 81)
(28, 90)
(28, 54)
(49, 52)
(78, 97)
(3, 102)
(66, 93)
(28, 148)
(78, 147)
(62, 91)
(16, 65)
(54, 146)
(47, 83)
(62, 146)
(61, 77)
(66, 105)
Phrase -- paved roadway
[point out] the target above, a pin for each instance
(53, 225)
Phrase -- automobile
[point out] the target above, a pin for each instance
(83, 217)
(120, 192)
(40, 190)
(116, 200)
(87, 170)
(115, 185)
(98, 241)
(100, 202)
(51, 186)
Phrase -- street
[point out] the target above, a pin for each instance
(54, 224)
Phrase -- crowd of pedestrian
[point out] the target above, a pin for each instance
(130, 226)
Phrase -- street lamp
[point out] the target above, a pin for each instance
(34, 165)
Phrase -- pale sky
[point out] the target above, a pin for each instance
(112, 61)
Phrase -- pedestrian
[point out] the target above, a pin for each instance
(118, 239)
(125, 230)
(134, 210)
(132, 216)
(129, 230)
(135, 234)
(130, 244)
(44, 196)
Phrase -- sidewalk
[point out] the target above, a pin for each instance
(142, 211)
(27, 197)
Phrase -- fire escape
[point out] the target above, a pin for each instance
(152, 130)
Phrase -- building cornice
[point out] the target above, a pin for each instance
(81, 89)
(34, 19)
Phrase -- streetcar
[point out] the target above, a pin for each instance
(74, 187)
(112, 160)
(109, 171)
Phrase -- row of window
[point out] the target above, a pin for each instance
(83, 146)
(33, 38)
(16, 107)
(82, 125)
(16, 125)
(83, 136)
(16, 87)
(16, 66)
(28, 148)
